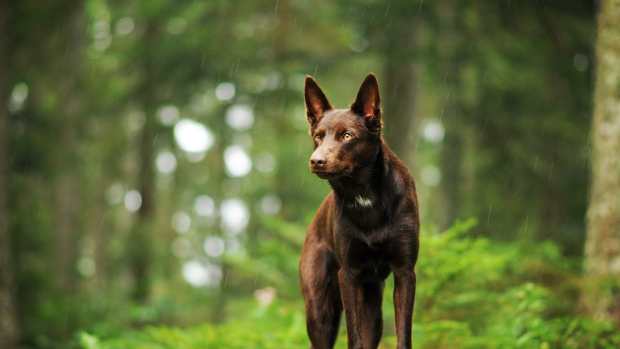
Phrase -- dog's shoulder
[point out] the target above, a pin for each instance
(404, 190)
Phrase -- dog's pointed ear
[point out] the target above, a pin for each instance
(368, 103)
(316, 102)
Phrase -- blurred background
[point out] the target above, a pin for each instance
(154, 188)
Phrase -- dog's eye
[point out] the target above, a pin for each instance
(318, 138)
(347, 136)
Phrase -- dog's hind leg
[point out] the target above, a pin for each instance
(319, 281)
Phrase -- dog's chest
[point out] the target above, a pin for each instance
(361, 201)
(365, 215)
(368, 263)
(365, 252)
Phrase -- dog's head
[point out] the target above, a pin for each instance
(344, 139)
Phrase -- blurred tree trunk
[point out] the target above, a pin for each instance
(400, 79)
(66, 211)
(603, 240)
(140, 245)
(8, 316)
(451, 163)
(100, 236)
(452, 57)
(282, 183)
(140, 248)
(67, 207)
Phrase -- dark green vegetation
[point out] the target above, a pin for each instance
(476, 294)
(154, 187)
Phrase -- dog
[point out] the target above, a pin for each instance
(365, 229)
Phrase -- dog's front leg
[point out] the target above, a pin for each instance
(404, 297)
(351, 293)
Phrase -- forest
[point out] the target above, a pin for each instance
(154, 181)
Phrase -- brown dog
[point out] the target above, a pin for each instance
(365, 228)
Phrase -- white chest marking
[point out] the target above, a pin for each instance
(363, 201)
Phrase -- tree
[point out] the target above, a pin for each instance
(8, 321)
(452, 53)
(141, 247)
(513, 134)
(603, 240)
(398, 50)
(67, 205)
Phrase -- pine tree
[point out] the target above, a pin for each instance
(603, 241)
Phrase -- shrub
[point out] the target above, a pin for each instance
(472, 293)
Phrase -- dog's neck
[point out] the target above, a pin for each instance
(363, 188)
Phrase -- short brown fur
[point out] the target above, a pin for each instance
(365, 229)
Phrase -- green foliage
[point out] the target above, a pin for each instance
(472, 293)
(272, 327)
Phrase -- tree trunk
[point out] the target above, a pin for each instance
(8, 318)
(140, 248)
(140, 245)
(67, 205)
(100, 237)
(451, 163)
(452, 56)
(400, 80)
(603, 240)
(66, 212)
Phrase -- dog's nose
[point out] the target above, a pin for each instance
(317, 162)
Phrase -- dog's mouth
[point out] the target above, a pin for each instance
(326, 174)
